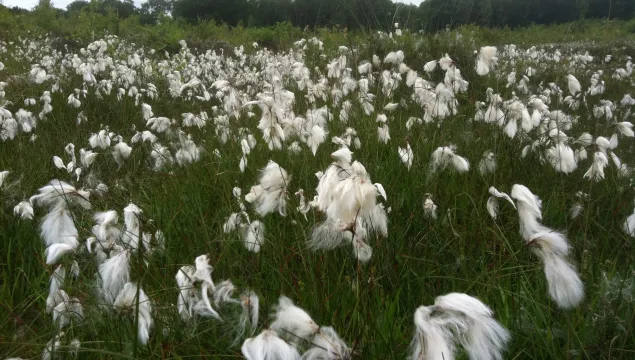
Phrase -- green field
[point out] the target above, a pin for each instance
(184, 181)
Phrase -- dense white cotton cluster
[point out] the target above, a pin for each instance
(270, 194)
(565, 286)
(486, 60)
(61, 237)
(445, 157)
(346, 194)
(457, 319)
(196, 289)
(131, 297)
(294, 325)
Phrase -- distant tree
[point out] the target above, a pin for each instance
(222, 11)
(76, 6)
(123, 8)
(158, 6)
(152, 10)
(46, 15)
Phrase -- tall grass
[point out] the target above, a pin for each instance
(370, 304)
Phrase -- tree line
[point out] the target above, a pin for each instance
(431, 15)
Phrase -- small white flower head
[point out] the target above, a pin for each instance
(24, 210)
(430, 66)
(66, 310)
(603, 143)
(629, 225)
(487, 165)
(250, 311)
(232, 223)
(486, 60)
(159, 124)
(391, 107)
(81, 118)
(625, 128)
(596, 171)
(59, 194)
(58, 226)
(292, 322)
(100, 140)
(55, 252)
(457, 319)
(59, 163)
(446, 62)
(106, 231)
(317, 136)
(361, 250)
(344, 155)
(328, 235)
(381, 191)
(270, 194)
(383, 133)
(429, 208)
(327, 345)
(223, 293)
(492, 202)
(564, 284)
(406, 155)
(483, 337)
(529, 208)
(203, 271)
(3, 175)
(126, 303)
(431, 340)
(161, 156)
(413, 121)
(268, 346)
(304, 207)
(444, 157)
(53, 347)
(87, 157)
(114, 273)
(392, 58)
(74, 346)
(188, 296)
(562, 158)
(73, 101)
(146, 111)
(56, 282)
(121, 152)
(627, 100)
(576, 210)
(130, 236)
(585, 139)
(364, 67)
(574, 84)
(254, 236)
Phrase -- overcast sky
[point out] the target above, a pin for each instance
(29, 4)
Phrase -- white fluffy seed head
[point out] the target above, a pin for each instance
(564, 284)
(267, 345)
(292, 322)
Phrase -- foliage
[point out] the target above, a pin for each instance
(430, 16)
(372, 304)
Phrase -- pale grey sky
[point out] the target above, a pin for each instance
(29, 4)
